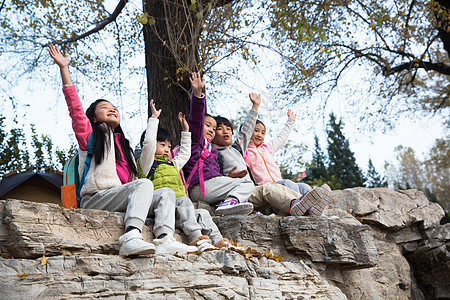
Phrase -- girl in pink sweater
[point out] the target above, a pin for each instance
(111, 182)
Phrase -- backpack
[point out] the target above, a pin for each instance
(70, 190)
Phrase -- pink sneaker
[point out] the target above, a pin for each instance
(313, 202)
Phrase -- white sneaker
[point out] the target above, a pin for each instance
(133, 244)
(233, 207)
(203, 245)
(169, 244)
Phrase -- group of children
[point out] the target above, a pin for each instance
(214, 169)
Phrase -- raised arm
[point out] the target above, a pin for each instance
(284, 133)
(149, 144)
(80, 123)
(185, 146)
(245, 133)
(63, 63)
(197, 113)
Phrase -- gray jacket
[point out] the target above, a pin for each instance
(229, 156)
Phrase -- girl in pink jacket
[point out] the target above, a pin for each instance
(259, 159)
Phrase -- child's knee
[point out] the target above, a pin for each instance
(144, 183)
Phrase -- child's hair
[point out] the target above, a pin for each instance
(223, 121)
(259, 122)
(101, 138)
(161, 136)
(208, 115)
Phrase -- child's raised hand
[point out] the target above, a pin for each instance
(238, 174)
(291, 114)
(61, 60)
(155, 113)
(183, 122)
(256, 100)
(197, 83)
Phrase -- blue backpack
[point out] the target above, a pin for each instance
(70, 191)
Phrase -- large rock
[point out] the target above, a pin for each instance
(317, 240)
(30, 230)
(389, 209)
(409, 240)
(391, 246)
(209, 275)
(431, 261)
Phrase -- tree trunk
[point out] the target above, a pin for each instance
(161, 66)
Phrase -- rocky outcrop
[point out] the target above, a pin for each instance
(391, 246)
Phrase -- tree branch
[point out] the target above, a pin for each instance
(427, 66)
(97, 28)
(3, 3)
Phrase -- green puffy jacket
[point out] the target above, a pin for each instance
(164, 174)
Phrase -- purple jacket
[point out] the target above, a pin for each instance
(196, 120)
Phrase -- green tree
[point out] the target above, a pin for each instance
(373, 179)
(342, 163)
(13, 153)
(317, 169)
(16, 156)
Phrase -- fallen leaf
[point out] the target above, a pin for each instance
(43, 260)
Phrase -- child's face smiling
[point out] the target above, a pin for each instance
(224, 135)
(108, 113)
(259, 134)
(209, 128)
(163, 148)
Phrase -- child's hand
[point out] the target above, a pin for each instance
(60, 60)
(197, 83)
(291, 114)
(256, 100)
(239, 174)
(183, 122)
(155, 113)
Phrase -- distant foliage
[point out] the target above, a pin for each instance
(17, 155)
(430, 175)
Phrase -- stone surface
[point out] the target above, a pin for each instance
(214, 274)
(30, 230)
(387, 208)
(318, 240)
(431, 262)
(391, 246)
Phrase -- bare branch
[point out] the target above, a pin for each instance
(97, 28)
(427, 66)
(3, 3)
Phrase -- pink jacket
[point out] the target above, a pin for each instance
(260, 160)
(82, 128)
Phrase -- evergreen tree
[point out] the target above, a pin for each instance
(373, 178)
(342, 163)
(318, 172)
(318, 169)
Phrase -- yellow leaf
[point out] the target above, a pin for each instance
(66, 254)
(43, 260)
(23, 275)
